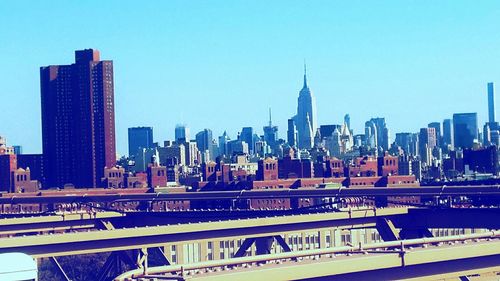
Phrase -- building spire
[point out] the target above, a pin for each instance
(305, 74)
(270, 120)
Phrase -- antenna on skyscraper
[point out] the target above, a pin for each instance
(305, 74)
(270, 120)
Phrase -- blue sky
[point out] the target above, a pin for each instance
(222, 64)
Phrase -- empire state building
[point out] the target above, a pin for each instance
(306, 120)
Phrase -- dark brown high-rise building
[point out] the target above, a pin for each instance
(78, 120)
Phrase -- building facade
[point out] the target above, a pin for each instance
(465, 129)
(448, 134)
(139, 137)
(181, 133)
(78, 120)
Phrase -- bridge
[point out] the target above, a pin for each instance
(68, 197)
(407, 259)
(229, 244)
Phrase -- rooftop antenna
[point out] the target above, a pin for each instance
(270, 120)
(305, 74)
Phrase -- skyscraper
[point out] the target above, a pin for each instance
(347, 120)
(491, 127)
(377, 133)
(139, 137)
(181, 133)
(404, 141)
(8, 164)
(371, 134)
(78, 120)
(247, 136)
(427, 142)
(18, 149)
(465, 129)
(448, 133)
(437, 128)
(292, 133)
(491, 102)
(327, 130)
(223, 143)
(205, 142)
(305, 119)
(271, 133)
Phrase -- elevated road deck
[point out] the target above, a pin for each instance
(61, 222)
(146, 237)
(415, 218)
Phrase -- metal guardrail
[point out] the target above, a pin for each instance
(401, 244)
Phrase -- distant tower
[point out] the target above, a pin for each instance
(308, 137)
(181, 133)
(223, 140)
(139, 137)
(333, 143)
(292, 133)
(306, 115)
(204, 142)
(271, 133)
(486, 135)
(448, 133)
(491, 102)
(437, 128)
(465, 129)
(247, 135)
(378, 135)
(347, 120)
(427, 142)
(318, 141)
(371, 134)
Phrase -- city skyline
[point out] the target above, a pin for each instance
(407, 79)
(282, 132)
(243, 140)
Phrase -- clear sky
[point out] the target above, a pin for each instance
(222, 64)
